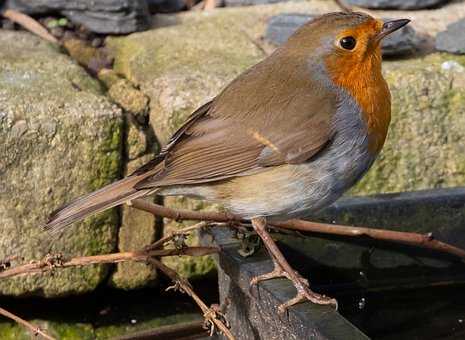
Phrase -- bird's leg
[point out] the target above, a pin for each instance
(283, 269)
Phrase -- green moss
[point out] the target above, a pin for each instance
(112, 331)
(62, 331)
(12, 331)
(107, 162)
(73, 331)
(59, 139)
(127, 50)
(129, 98)
(194, 268)
(87, 331)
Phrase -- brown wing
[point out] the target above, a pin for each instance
(271, 115)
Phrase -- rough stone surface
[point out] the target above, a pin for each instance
(59, 138)
(397, 4)
(133, 101)
(452, 40)
(136, 232)
(208, 50)
(109, 17)
(282, 26)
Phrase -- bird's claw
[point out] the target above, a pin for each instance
(278, 272)
(307, 295)
(274, 274)
(304, 293)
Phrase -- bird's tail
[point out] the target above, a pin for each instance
(102, 199)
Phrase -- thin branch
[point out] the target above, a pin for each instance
(172, 331)
(414, 239)
(50, 262)
(29, 24)
(179, 214)
(167, 238)
(209, 314)
(419, 240)
(255, 42)
(343, 5)
(34, 329)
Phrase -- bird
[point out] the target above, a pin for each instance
(283, 140)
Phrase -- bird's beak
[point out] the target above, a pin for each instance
(391, 26)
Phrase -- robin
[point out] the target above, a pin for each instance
(283, 140)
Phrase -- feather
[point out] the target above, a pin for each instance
(105, 198)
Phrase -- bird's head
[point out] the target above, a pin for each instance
(349, 39)
(344, 49)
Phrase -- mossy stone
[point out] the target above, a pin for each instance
(87, 331)
(59, 138)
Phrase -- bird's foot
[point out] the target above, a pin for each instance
(282, 268)
(304, 293)
(277, 272)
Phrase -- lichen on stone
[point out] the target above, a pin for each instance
(59, 138)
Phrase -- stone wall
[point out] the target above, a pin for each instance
(60, 137)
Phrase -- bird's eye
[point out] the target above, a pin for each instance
(348, 43)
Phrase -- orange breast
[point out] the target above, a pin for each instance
(363, 80)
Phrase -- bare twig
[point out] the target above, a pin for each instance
(419, 240)
(414, 239)
(343, 5)
(34, 329)
(179, 214)
(209, 314)
(255, 42)
(50, 262)
(167, 238)
(30, 24)
(176, 331)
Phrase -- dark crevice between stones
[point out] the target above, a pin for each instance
(139, 142)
